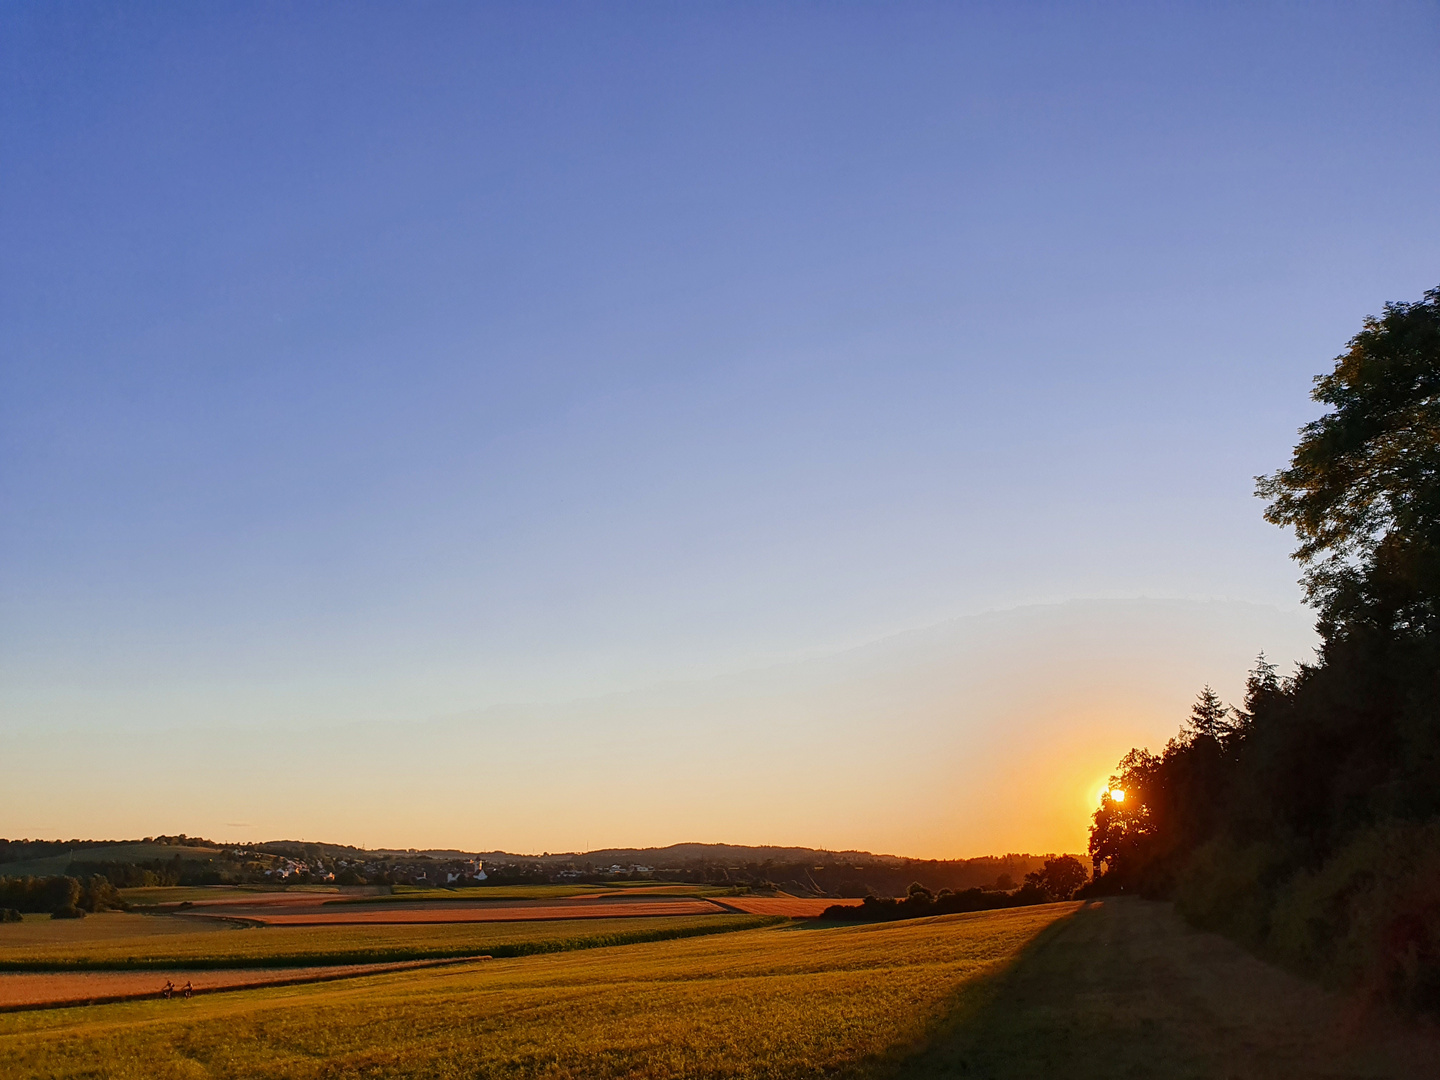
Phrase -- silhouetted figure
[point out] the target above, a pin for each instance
(168, 990)
(187, 990)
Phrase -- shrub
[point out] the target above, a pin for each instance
(1370, 915)
(70, 911)
(919, 902)
(1231, 889)
(98, 894)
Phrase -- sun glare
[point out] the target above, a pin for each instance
(1116, 795)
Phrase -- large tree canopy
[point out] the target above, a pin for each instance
(1363, 488)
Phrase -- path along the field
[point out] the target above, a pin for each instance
(1125, 989)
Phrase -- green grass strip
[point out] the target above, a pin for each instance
(392, 955)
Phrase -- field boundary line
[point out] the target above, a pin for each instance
(290, 980)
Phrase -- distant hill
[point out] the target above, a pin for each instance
(677, 856)
(798, 870)
(693, 853)
(93, 851)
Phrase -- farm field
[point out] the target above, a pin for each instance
(793, 907)
(481, 892)
(463, 911)
(162, 895)
(155, 895)
(454, 906)
(222, 895)
(98, 932)
(792, 1000)
(115, 940)
(19, 990)
(543, 892)
(1115, 990)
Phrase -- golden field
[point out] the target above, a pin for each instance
(792, 1000)
(1118, 990)
(119, 940)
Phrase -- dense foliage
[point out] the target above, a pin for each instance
(61, 895)
(13, 851)
(1307, 821)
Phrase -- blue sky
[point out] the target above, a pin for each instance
(368, 362)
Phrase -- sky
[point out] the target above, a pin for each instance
(453, 378)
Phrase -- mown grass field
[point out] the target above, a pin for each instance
(783, 1001)
(122, 941)
(152, 895)
(481, 892)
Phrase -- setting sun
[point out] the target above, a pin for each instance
(1116, 795)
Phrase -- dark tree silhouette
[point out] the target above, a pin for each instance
(1363, 488)
(1307, 821)
(1210, 717)
(1059, 878)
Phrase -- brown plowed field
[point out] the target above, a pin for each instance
(440, 912)
(796, 907)
(49, 989)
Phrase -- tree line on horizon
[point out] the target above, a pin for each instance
(198, 861)
(1306, 822)
(1061, 877)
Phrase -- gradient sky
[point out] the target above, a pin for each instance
(380, 365)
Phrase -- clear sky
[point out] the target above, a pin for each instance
(368, 365)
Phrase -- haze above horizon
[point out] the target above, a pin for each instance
(510, 414)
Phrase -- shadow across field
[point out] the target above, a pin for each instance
(1125, 989)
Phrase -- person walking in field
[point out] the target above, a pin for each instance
(187, 989)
